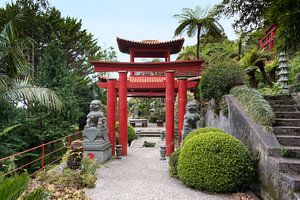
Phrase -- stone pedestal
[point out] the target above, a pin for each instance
(94, 144)
(101, 153)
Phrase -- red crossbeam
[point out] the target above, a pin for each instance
(180, 66)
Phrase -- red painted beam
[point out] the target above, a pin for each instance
(104, 66)
(145, 94)
(152, 85)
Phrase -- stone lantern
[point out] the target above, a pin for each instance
(283, 72)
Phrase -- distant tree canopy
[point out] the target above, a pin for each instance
(260, 14)
(43, 24)
(46, 51)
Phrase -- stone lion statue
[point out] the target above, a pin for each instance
(95, 127)
(191, 118)
(95, 115)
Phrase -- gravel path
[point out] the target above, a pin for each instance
(142, 176)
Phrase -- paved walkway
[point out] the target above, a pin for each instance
(142, 176)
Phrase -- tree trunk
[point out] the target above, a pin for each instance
(198, 41)
(239, 48)
(261, 67)
(253, 82)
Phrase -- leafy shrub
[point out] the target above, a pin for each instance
(173, 163)
(131, 133)
(294, 68)
(296, 86)
(218, 80)
(89, 168)
(148, 144)
(216, 162)
(276, 89)
(75, 155)
(153, 119)
(258, 108)
(199, 131)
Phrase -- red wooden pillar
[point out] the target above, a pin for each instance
(170, 94)
(182, 100)
(123, 132)
(131, 60)
(111, 112)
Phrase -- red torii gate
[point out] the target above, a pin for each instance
(176, 80)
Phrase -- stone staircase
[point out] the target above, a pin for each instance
(287, 132)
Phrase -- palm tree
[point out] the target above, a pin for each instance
(198, 21)
(14, 84)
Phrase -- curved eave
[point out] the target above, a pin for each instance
(174, 45)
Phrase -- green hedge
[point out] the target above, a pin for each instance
(258, 108)
(218, 80)
(215, 162)
(173, 163)
(199, 131)
(131, 133)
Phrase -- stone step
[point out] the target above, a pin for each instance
(297, 195)
(286, 130)
(279, 97)
(287, 122)
(290, 151)
(149, 134)
(288, 140)
(285, 108)
(287, 165)
(292, 180)
(288, 115)
(282, 102)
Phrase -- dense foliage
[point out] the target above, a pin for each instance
(131, 133)
(258, 108)
(215, 162)
(173, 163)
(260, 14)
(200, 131)
(42, 50)
(142, 108)
(218, 80)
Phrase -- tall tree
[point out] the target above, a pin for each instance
(13, 64)
(199, 22)
(260, 14)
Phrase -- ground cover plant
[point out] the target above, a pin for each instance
(215, 162)
(258, 108)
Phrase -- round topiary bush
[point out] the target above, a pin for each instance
(199, 131)
(216, 162)
(173, 162)
(131, 133)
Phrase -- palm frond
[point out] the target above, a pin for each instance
(22, 91)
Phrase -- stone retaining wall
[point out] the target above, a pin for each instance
(261, 143)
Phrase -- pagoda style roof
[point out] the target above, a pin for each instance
(173, 46)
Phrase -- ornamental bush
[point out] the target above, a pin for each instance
(217, 81)
(131, 133)
(215, 162)
(199, 131)
(173, 163)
